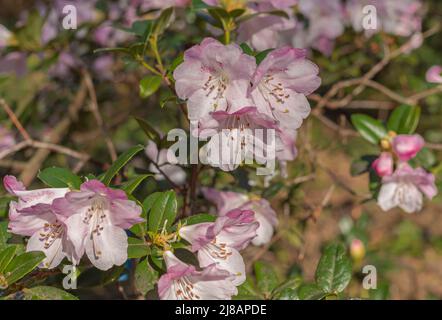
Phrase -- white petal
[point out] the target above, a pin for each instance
(108, 248)
(264, 232)
(54, 253)
(386, 197)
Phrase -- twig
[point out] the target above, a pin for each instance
(15, 120)
(97, 116)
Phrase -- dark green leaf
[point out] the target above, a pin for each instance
(59, 178)
(266, 277)
(198, 218)
(311, 292)
(6, 257)
(22, 265)
(149, 85)
(120, 163)
(151, 133)
(4, 234)
(163, 211)
(262, 55)
(47, 293)
(145, 277)
(132, 184)
(404, 119)
(162, 22)
(334, 269)
(137, 248)
(370, 129)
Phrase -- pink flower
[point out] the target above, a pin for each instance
(226, 201)
(434, 74)
(281, 83)
(401, 18)
(32, 216)
(407, 146)
(166, 161)
(238, 137)
(326, 23)
(404, 189)
(219, 242)
(214, 77)
(265, 31)
(96, 217)
(383, 165)
(184, 282)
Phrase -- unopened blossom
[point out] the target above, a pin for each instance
(405, 189)
(401, 18)
(183, 282)
(434, 74)
(383, 165)
(218, 242)
(226, 201)
(280, 85)
(407, 146)
(164, 163)
(96, 217)
(214, 77)
(32, 216)
(241, 136)
(326, 23)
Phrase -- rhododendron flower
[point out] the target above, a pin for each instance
(434, 74)
(404, 189)
(32, 216)
(325, 23)
(383, 165)
(280, 84)
(166, 161)
(96, 217)
(219, 242)
(265, 31)
(226, 201)
(184, 282)
(400, 18)
(406, 146)
(214, 77)
(240, 137)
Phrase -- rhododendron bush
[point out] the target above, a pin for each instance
(220, 149)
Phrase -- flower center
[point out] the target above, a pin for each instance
(51, 232)
(185, 290)
(271, 89)
(218, 250)
(215, 87)
(96, 217)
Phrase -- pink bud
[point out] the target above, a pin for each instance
(357, 249)
(407, 146)
(434, 74)
(383, 165)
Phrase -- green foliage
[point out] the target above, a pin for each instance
(404, 119)
(145, 277)
(120, 163)
(163, 212)
(370, 129)
(59, 178)
(149, 85)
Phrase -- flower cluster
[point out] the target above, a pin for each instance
(66, 224)
(217, 245)
(402, 185)
(230, 96)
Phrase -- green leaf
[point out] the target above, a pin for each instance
(140, 228)
(136, 248)
(59, 178)
(149, 85)
(4, 234)
(198, 218)
(334, 269)
(162, 22)
(266, 277)
(132, 184)
(150, 132)
(361, 165)
(425, 158)
(6, 257)
(47, 293)
(120, 163)
(22, 265)
(262, 55)
(163, 211)
(246, 49)
(272, 190)
(370, 129)
(404, 119)
(311, 292)
(235, 13)
(247, 291)
(288, 290)
(145, 277)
